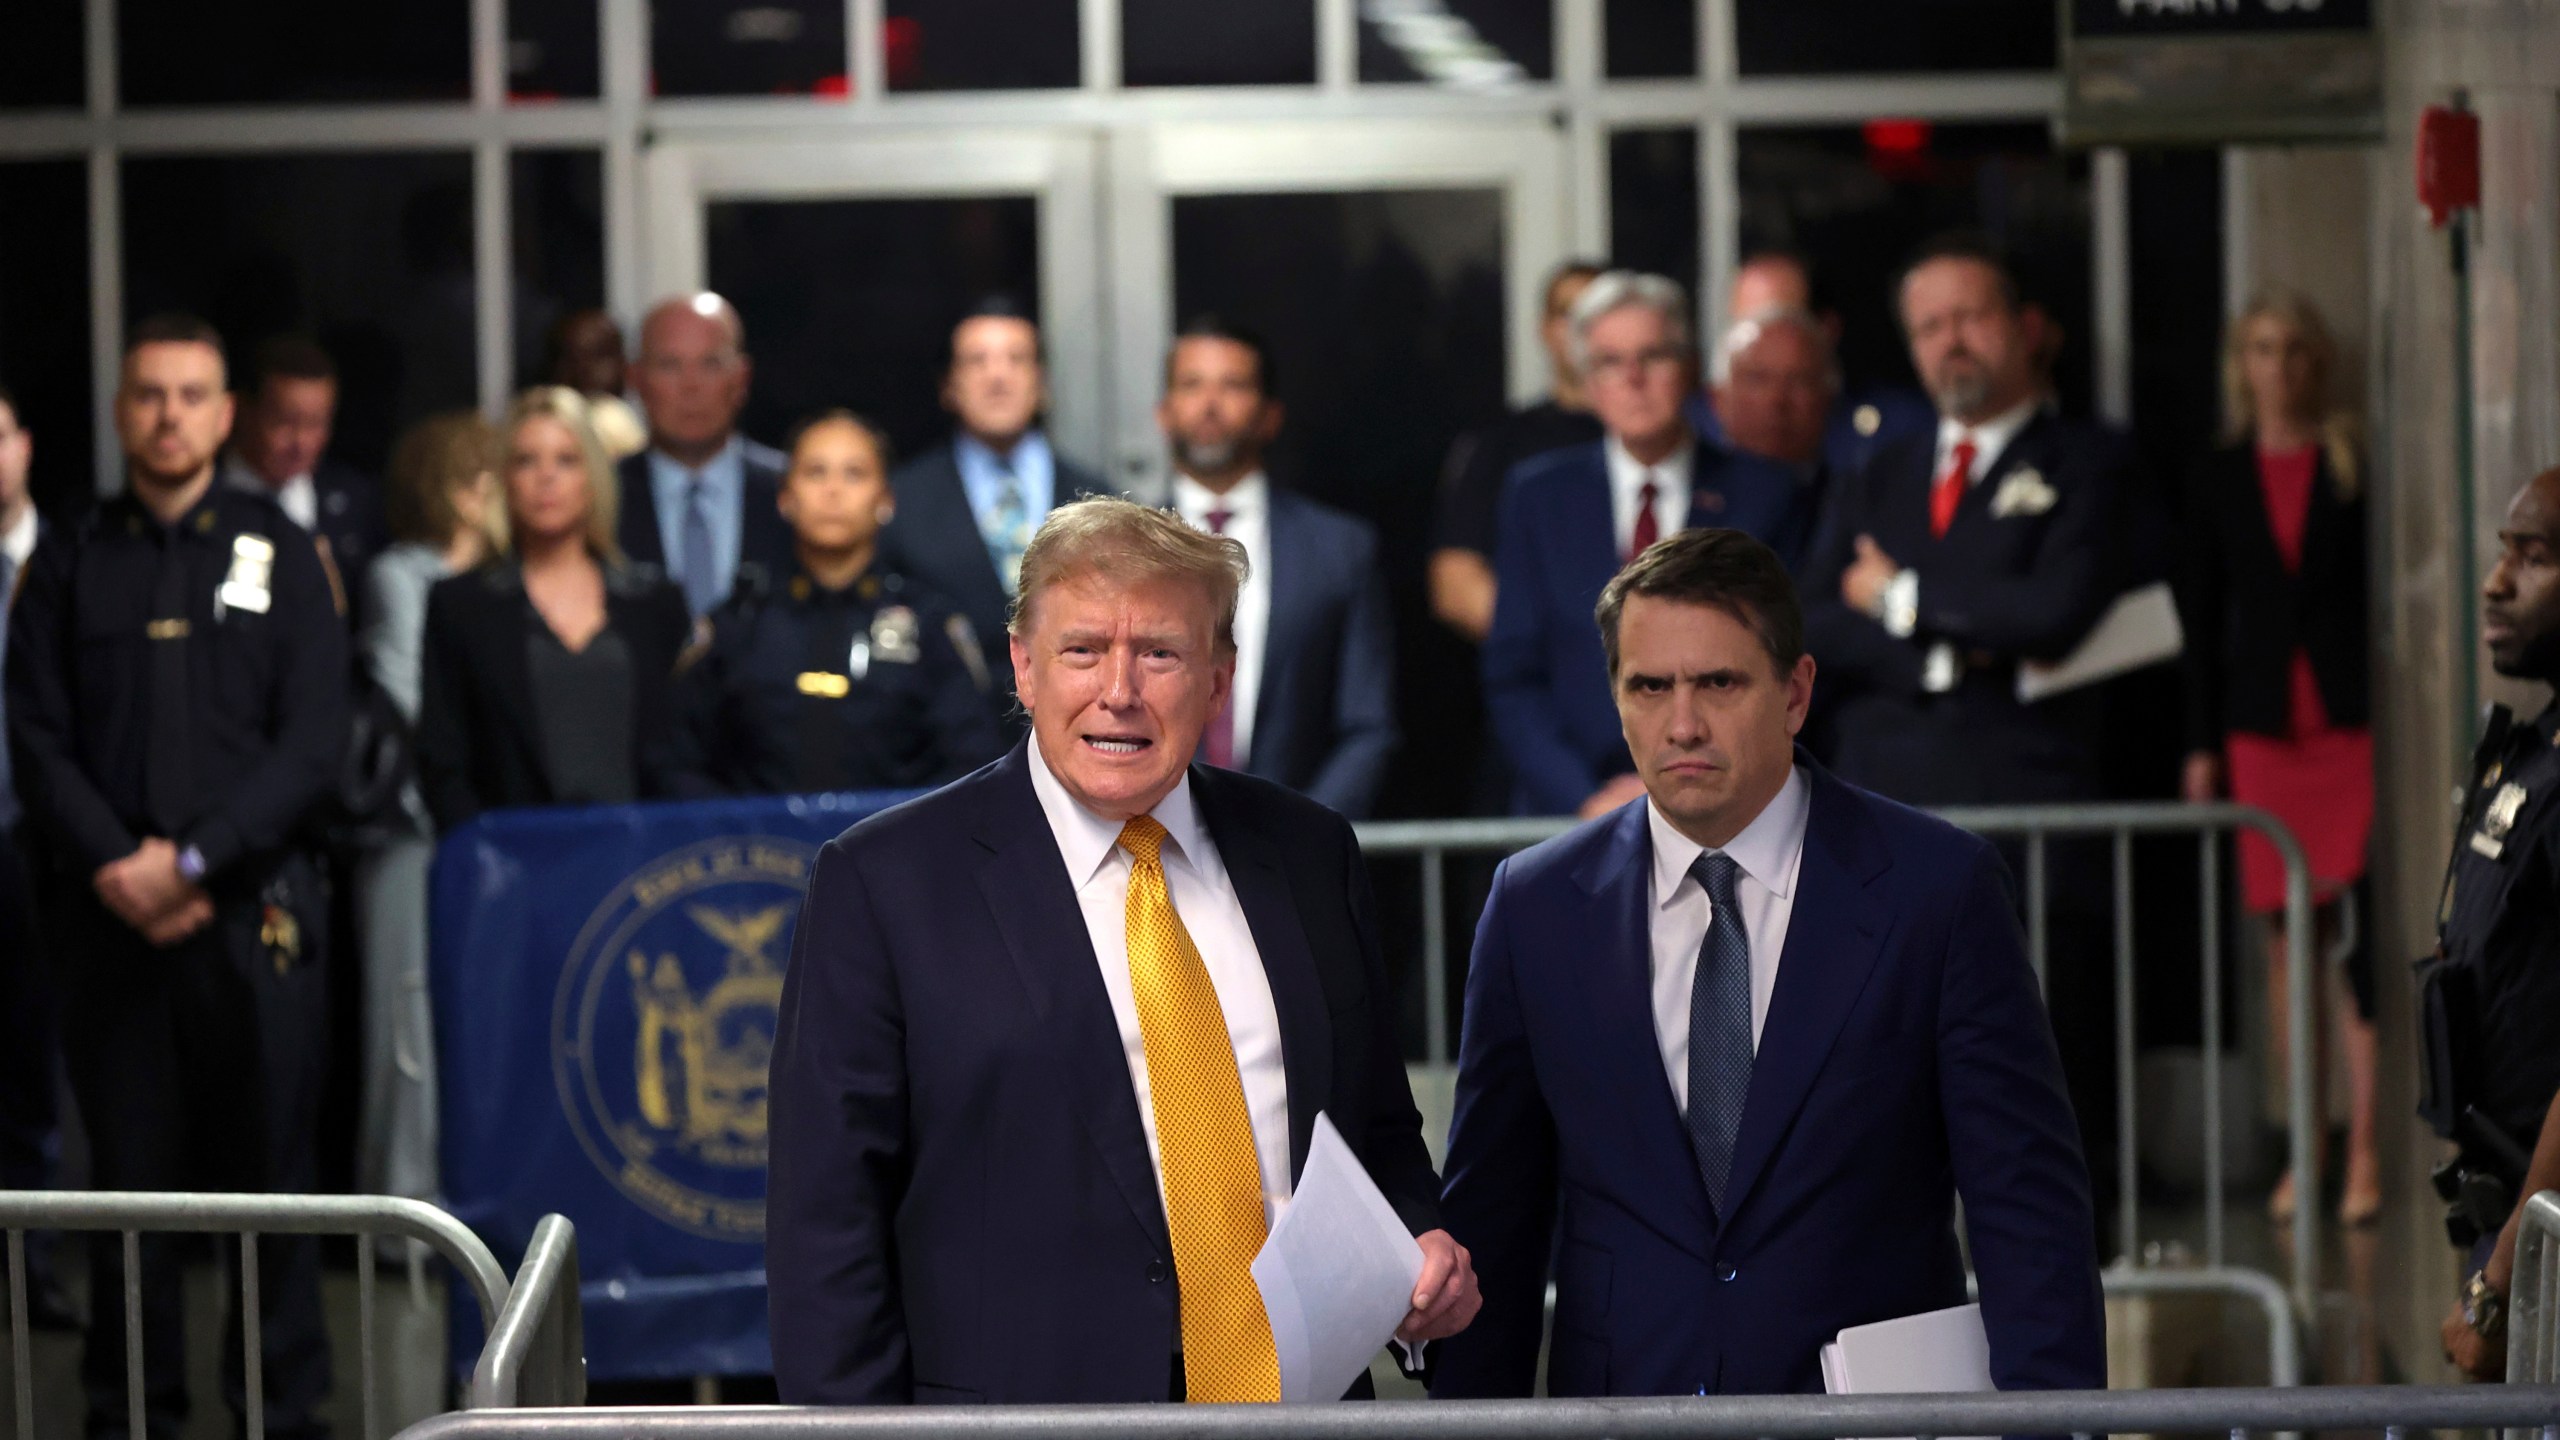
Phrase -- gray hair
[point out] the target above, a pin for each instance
(1744, 333)
(1616, 290)
(1132, 544)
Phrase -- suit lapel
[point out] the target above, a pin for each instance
(640, 539)
(1832, 941)
(1617, 880)
(1034, 904)
(1270, 911)
(2023, 447)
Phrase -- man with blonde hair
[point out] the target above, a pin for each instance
(1055, 1037)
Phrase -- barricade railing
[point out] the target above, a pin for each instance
(134, 1214)
(2533, 1329)
(2391, 1411)
(2037, 828)
(536, 1353)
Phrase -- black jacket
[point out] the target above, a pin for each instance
(479, 740)
(763, 538)
(2245, 614)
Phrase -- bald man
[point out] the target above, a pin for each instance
(701, 500)
(1862, 418)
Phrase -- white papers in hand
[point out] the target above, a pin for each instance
(1936, 1353)
(1337, 1273)
(2140, 629)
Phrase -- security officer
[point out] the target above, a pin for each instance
(834, 676)
(177, 681)
(2490, 995)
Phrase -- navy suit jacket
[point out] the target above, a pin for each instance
(352, 521)
(764, 537)
(1998, 589)
(1546, 680)
(961, 1207)
(1905, 1060)
(936, 541)
(1324, 722)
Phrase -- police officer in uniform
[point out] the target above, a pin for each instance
(2490, 995)
(177, 682)
(834, 676)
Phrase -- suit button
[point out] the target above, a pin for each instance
(1726, 1272)
(1156, 1272)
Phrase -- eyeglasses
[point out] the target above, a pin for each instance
(1602, 365)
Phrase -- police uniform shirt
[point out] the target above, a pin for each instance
(804, 689)
(2503, 923)
(186, 681)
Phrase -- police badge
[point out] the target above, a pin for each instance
(893, 636)
(2498, 820)
(253, 563)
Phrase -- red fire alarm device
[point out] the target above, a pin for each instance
(2448, 162)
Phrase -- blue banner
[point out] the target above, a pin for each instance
(606, 983)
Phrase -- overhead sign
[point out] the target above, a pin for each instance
(2220, 72)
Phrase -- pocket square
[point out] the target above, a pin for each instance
(2021, 492)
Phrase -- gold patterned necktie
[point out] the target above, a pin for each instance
(1212, 1182)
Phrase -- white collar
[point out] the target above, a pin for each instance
(1628, 474)
(19, 541)
(239, 475)
(1086, 840)
(1991, 437)
(1248, 496)
(1768, 848)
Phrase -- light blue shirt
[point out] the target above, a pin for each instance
(982, 477)
(671, 485)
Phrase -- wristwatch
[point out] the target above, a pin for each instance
(191, 865)
(2483, 1308)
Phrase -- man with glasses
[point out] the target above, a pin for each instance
(701, 499)
(1572, 518)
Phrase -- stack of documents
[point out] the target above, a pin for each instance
(2141, 629)
(1936, 1353)
(1337, 1273)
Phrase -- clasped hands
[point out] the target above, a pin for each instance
(145, 891)
(1863, 584)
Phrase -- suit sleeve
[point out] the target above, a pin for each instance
(2041, 614)
(445, 737)
(839, 1158)
(2201, 591)
(701, 710)
(1850, 648)
(1363, 720)
(964, 729)
(267, 802)
(1393, 1149)
(1519, 691)
(1500, 1200)
(43, 724)
(2015, 1149)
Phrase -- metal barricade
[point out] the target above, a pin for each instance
(2038, 828)
(2391, 1411)
(2533, 1329)
(132, 1213)
(536, 1353)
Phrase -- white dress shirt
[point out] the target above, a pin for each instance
(1671, 483)
(18, 542)
(1210, 911)
(1248, 507)
(300, 501)
(1770, 851)
(1989, 438)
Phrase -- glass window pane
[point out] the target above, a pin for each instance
(558, 212)
(1653, 202)
(41, 64)
(1650, 39)
(44, 323)
(1789, 37)
(1855, 201)
(983, 45)
(1459, 44)
(875, 335)
(1232, 42)
(553, 50)
(182, 52)
(731, 47)
(1384, 310)
(371, 254)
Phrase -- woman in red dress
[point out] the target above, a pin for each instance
(2279, 709)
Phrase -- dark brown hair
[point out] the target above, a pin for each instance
(437, 457)
(1725, 569)
(172, 327)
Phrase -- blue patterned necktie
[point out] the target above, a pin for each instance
(1012, 528)
(1719, 1029)
(699, 573)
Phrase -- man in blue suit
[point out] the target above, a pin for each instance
(1733, 1053)
(1054, 1038)
(702, 499)
(1573, 516)
(966, 509)
(1314, 705)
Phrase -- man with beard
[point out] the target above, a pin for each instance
(1314, 703)
(1943, 566)
(2492, 992)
